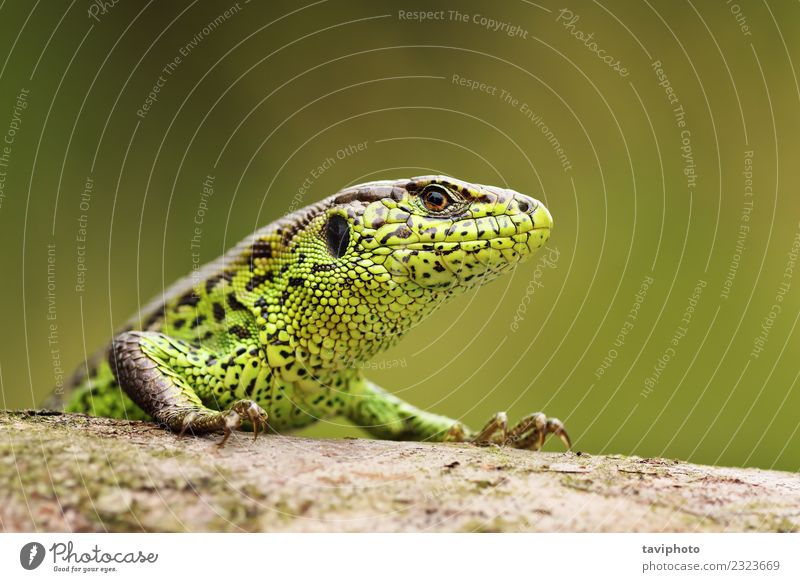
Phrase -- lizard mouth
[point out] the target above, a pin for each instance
(469, 231)
(498, 242)
(495, 231)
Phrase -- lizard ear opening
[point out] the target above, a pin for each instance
(337, 235)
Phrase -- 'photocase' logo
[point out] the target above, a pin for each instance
(31, 555)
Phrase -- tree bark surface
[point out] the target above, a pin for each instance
(67, 472)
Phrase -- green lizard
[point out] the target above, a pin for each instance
(273, 328)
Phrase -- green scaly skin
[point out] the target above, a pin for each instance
(276, 328)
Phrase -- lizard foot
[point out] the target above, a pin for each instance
(456, 434)
(227, 420)
(529, 433)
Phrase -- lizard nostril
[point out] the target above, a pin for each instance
(524, 205)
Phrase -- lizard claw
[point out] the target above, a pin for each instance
(187, 423)
(529, 433)
(234, 415)
(456, 434)
(227, 420)
(496, 429)
(556, 427)
(258, 418)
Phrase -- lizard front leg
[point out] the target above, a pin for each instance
(153, 369)
(387, 417)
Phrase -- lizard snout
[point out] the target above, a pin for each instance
(540, 216)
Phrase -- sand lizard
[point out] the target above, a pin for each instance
(273, 331)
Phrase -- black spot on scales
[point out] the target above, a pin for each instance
(362, 195)
(211, 283)
(261, 249)
(402, 232)
(324, 267)
(240, 332)
(234, 303)
(250, 386)
(258, 280)
(219, 311)
(189, 298)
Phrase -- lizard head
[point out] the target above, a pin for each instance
(360, 268)
(436, 232)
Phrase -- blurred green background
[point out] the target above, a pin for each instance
(698, 196)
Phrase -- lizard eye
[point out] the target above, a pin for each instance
(337, 235)
(436, 198)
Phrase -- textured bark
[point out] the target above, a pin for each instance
(76, 473)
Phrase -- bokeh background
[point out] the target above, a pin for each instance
(661, 319)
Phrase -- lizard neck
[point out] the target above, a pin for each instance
(331, 327)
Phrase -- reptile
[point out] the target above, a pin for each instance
(271, 335)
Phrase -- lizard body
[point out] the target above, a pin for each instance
(275, 328)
